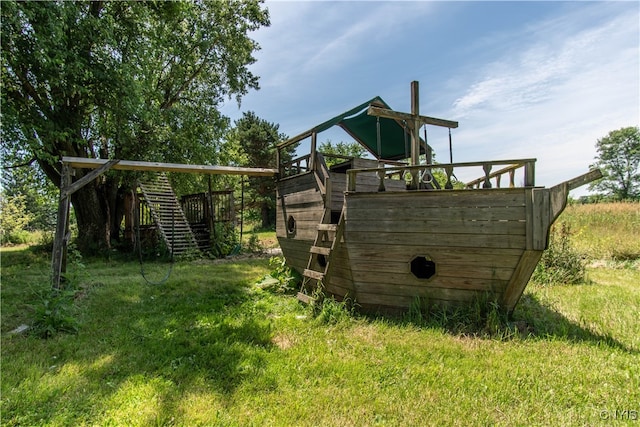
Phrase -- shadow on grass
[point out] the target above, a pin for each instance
(537, 320)
(201, 331)
(532, 319)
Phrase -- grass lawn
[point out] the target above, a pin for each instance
(211, 348)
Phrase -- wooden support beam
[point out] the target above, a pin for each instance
(61, 239)
(73, 187)
(58, 255)
(391, 114)
(84, 163)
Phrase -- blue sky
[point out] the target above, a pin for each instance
(524, 79)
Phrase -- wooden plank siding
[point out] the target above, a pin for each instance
(475, 240)
(366, 182)
(300, 198)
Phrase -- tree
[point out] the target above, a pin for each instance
(619, 158)
(38, 195)
(352, 149)
(253, 141)
(126, 80)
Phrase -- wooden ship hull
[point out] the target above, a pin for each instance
(361, 233)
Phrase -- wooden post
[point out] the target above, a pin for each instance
(67, 188)
(415, 132)
(58, 257)
(314, 141)
(529, 174)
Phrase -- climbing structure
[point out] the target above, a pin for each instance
(382, 232)
(167, 214)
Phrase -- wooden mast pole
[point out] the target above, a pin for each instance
(415, 128)
(414, 121)
(415, 132)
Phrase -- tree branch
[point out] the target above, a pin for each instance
(27, 163)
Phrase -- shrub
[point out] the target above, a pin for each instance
(52, 313)
(224, 241)
(560, 263)
(281, 279)
(14, 220)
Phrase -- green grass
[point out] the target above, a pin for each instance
(604, 231)
(211, 347)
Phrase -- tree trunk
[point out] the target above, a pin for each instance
(91, 208)
(265, 215)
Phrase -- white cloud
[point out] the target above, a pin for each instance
(554, 96)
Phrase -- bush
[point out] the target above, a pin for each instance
(281, 279)
(560, 263)
(224, 240)
(14, 220)
(53, 313)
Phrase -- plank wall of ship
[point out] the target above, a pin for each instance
(474, 237)
(300, 198)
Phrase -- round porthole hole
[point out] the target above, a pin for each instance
(423, 267)
(291, 225)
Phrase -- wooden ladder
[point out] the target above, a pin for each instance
(320, 254)
(168, 215)
(326, 236)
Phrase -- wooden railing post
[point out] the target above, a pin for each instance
(449, 171)
(351, 180)
(487, 170)
(529, 174)
(381, 175)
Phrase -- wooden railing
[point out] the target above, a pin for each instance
(528, 166)
(216, 206)
(423, 174)
(195, 207)
(295, 166)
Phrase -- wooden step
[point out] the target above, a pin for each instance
(305, 298)
(313, 274)
(320, 250)
(327, 227)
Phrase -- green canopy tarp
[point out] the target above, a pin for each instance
(363, 128)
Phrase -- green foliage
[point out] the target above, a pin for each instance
(481, 317)
(40, 196)
(347, 149)
(53, 313)
(281, 279)
(14, 219)
(224, 240)
(253, 244)
(604, 231)
(326, 310)
(126, 80)
(619, 160)
(560, 263)
(252, 143)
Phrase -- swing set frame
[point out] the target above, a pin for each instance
(101, 166)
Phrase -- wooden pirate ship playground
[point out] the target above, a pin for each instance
(382, 231)
(386, 234)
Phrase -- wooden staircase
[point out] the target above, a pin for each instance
(168, 215)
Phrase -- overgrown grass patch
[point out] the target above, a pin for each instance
(211, 348)
(604, 231)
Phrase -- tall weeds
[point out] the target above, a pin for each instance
(560, 263)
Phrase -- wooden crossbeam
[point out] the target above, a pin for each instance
(84, 163)
(410, 118)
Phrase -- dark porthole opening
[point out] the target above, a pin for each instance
(423, 267)
(291, 225)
